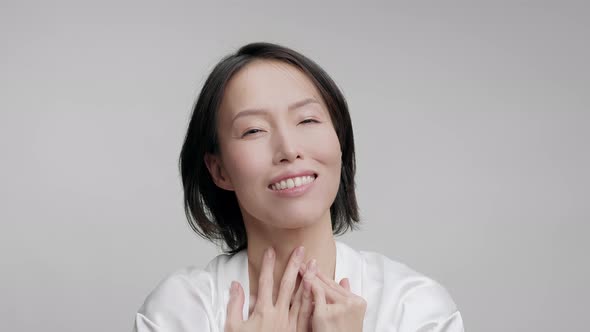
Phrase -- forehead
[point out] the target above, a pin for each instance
(266, 84)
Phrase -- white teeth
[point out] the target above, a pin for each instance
(292, 182)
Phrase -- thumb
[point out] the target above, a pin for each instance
(235, 304)
(345, 283)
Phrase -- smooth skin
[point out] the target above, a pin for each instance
(319, 304)
(278, 139)
(270, 121)
(290, 312)
(336, 307)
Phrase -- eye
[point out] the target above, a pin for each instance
(251, 131)
(309, 121)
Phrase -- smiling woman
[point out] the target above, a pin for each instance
(268, 172)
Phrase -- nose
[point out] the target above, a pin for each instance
(286, 148)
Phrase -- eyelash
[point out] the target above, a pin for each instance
(254, 131)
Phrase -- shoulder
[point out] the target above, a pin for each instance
(413, 300)
(184, 298)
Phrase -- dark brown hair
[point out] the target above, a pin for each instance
(212, 212)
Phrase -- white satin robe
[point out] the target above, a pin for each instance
(398, 298)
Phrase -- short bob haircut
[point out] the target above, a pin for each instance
(212, 212)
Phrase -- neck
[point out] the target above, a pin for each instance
(316, 238)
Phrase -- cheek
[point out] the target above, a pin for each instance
(328, 151)
(245, 163)
(331, 157)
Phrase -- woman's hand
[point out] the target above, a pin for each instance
(287, 314)
(336, 308)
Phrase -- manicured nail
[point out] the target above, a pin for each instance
(234, 289)
(270, 252)
(299, 252)
(313, 266)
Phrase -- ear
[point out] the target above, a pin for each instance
(217, 171)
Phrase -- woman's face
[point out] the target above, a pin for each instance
(275, 131)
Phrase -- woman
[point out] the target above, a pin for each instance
(268, 171)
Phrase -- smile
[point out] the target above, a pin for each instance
(293, 182)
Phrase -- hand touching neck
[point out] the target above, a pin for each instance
(316, 238)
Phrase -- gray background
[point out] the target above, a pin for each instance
(471, 125)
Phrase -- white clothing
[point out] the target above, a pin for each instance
(398, 298)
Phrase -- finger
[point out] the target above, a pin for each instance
(345, 283)
(297, 299)
(289, 278)
(319, 297)
(296, 303)
(331, 283)
(331, 295)
(265, 281)
(302, 269)
(235, 304)
(334, 292)
(304, 317)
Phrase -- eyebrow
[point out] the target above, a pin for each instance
(258, 111)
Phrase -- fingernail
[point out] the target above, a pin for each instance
(270, 252)
(313, 266)
(234, 288)
(299, 252)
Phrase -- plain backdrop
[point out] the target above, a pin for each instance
(471, 124)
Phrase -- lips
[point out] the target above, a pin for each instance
(294, 182)
(290, 175)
